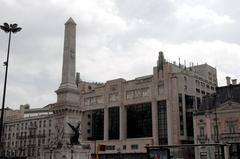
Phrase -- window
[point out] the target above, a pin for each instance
(180, 104)
(134, 146)
(50, 123)
(189, 118)
(202, 131)
(203, 155)
(215, 130)
(139, 120)
(207, 86)
(97, 124)
(89, 87)
(88, 131)
(89, 116)
(162, 122)
(189, 101)
(44, 123)
(113, 117)
(202, 84)
(110, 147)
(17, 135)
(198, 90)
(39, 142)
(198, 102)
(232, 127)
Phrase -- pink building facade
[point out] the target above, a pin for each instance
(218, 121)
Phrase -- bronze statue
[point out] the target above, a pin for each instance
(74, 138)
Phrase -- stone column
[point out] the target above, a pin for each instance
(155, 123)
(68, 91)
(106, 123)
(123, 122)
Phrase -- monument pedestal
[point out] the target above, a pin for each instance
(66, 152)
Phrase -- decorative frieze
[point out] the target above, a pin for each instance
(113, 97)
(93, 100)
(137, 93)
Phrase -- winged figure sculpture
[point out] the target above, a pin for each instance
(74, 138)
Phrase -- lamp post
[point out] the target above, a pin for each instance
(12, 28)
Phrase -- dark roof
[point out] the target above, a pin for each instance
(223, 94)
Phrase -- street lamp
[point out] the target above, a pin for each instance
(12, 28)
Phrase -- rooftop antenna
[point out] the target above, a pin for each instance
(179, 62)
(190, 66)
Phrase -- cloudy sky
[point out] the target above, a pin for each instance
(115, 38)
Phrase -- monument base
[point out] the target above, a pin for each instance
(66, 152)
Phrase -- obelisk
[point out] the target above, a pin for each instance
(67, 109)
(68, 92)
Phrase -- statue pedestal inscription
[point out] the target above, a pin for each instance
(66, 152)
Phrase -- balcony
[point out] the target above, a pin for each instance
(230, 137)
(41, 135)
(202, 138)
(31, 145)
(22, 137)
(32, 136)
(32, 126)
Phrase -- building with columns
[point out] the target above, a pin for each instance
(127, 115)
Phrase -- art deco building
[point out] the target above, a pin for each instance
(155, 109)
(124, 115)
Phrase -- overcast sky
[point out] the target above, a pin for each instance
(115, 39)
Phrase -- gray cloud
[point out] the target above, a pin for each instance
(115, 38)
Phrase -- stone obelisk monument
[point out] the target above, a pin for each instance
(68, 91)
(67, 111)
